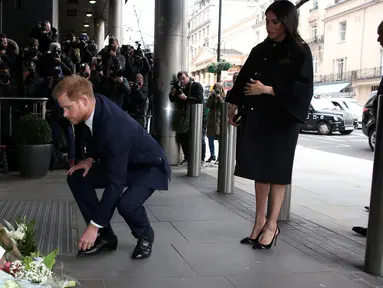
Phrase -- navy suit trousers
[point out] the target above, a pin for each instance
(130, 205)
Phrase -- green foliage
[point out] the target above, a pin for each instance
(32, 130)
(28, 244)
(218, 66)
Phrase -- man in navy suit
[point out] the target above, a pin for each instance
(120, 154)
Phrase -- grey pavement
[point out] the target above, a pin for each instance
(353, 145)
(197, 240)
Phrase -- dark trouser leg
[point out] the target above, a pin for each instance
(132, 210)
(183, 139)
(203, 154)
(83, 190)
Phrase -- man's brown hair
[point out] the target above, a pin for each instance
(73, 86)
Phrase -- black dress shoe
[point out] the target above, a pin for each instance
(101, 244)
(360, 230)
(143, 249)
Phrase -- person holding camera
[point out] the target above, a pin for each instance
(135, 103)
(114, 85)
(184, 93)
(46, 35)
(216, 98)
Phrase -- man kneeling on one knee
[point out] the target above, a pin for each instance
(120, 154)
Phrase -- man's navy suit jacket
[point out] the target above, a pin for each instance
(128, 155)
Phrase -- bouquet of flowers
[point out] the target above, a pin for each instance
(23, 236)
(21, 266)
(34, 271)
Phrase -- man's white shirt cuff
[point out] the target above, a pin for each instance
(94, 224)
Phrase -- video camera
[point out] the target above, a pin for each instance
(43, 26)
(115, 69)
(29, 66)
(138, 52)
(176, 84)
(5, 76)
(83, 72)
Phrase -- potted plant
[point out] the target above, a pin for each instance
(35, 148)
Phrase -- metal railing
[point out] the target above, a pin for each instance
(361, 74)
(315, 40)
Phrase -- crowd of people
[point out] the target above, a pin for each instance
(121, 73)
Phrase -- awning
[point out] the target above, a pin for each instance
(330, 88)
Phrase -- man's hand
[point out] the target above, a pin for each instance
(183, 96)
(88, 238)
(86, 165)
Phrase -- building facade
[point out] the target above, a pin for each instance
(343, 38)
(237, 35)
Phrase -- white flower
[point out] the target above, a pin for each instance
(11, 284)
(37, 273)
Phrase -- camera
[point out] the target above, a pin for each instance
(55, 53)
(115, 69)
(176, 84)
(83, 71)
(57, 74)
(5, 77)
(29, 66)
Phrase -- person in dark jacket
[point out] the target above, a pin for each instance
(192, 94)
(120, 154)
(274, 87)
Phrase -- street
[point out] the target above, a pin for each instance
(353, 145)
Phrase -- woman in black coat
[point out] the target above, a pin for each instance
(274, 89)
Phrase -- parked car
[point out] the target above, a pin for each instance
(325, 118)
(352, 106)
(369, 120)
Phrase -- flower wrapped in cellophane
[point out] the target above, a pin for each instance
(34, 271)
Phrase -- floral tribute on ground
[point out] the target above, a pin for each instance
(21, 265)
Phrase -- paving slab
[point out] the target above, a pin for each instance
(197, 241)
(302, 280)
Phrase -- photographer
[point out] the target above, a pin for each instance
(71, 49)
(113, 51)
(114, 85)
(214, 102)
(96, 75)
(54, 58)
(136, 102)
(34, 86)
(45, 34)
(184, 93)
(31, 51)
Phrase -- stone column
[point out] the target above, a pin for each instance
(170, 50)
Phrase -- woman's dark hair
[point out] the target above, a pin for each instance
(287, 14)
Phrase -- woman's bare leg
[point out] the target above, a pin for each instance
(277, 193)
(261, 193)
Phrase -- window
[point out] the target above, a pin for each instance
(257, 37)
(315, 65)
(207, 30)
(340, 68)
(314, 31)
(204, 32)
(342, 30)
(315, 6)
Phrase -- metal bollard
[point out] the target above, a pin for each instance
(284, 214)
(374, 249)
(195, 140)
(227, 151)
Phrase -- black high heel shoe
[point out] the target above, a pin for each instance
(248, 240)
(258, 245)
